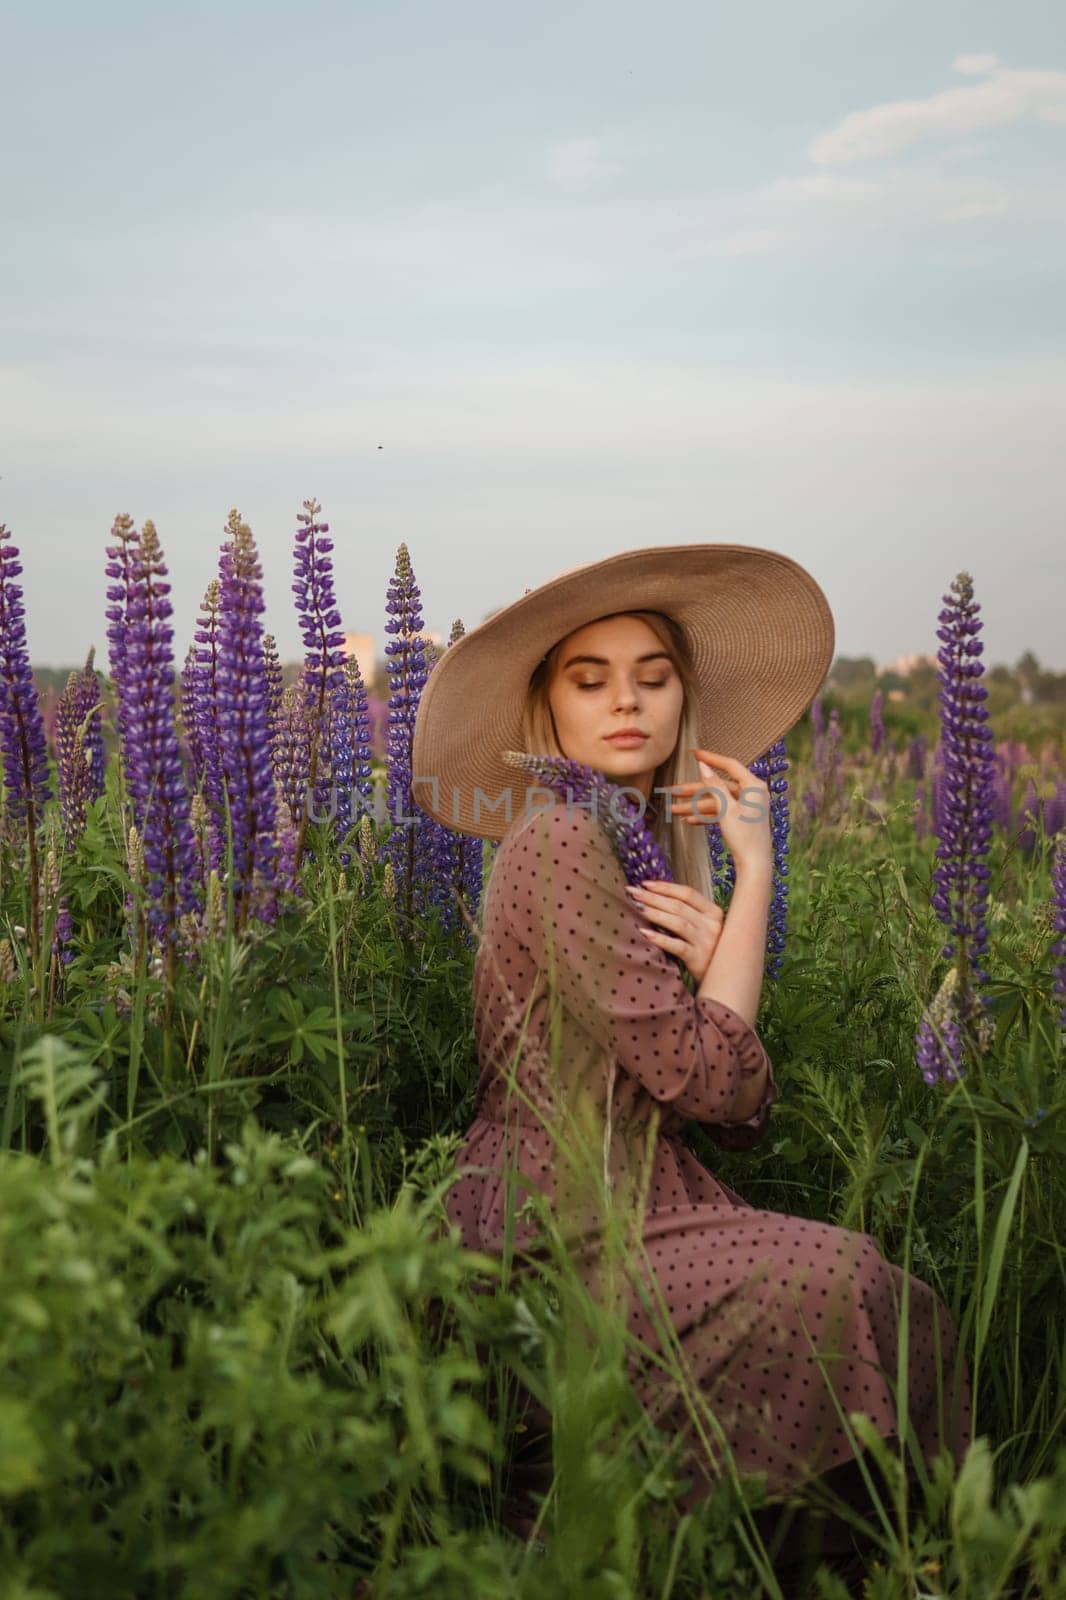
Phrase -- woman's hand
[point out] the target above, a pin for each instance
(692, 924)
(743, 814)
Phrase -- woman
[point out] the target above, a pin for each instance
(606, 1011)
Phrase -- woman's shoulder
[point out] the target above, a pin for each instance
(563, 823)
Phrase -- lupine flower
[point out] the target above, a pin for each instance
(405, 846)
(939, 1041)
(1058, 880)
(150, 753)
(350, 741)
(818, 717)
(634, 843)
(454, 859)
(323, 638)
(1012, 753)
(275, 682)
(877, 722)
(291, 753)
(824, 797)
(772, 768)
(190, 736)
(917, 750)
(368, 845)
(79, 749)
(1055, 810)
(962, 817)
(1001, 798)
(200, 822)
(23, 741)
(206, 715)
(244, 717)
(22, 733)
(63, 941)
(723, 872)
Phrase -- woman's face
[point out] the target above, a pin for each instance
(611, 675)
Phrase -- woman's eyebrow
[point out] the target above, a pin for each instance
(602, 661)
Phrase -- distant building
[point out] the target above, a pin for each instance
(905, 665)
(361, 646)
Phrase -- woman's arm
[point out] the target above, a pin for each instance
(735, 974)
(565, 899)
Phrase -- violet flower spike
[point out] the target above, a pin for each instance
(635, 844)
(22, 732)
(150, 752)
(79, 750)
(411, 848)
(244, 717)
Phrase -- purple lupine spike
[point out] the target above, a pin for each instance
(470, 875)
(457, 858)
(353, 773)
(917, 750)
(190, 733)
(818, 717)
(1055, 810)
(275, 682)
(607, 803)
(441, 852)
(877, 722)
(63, 939)
(963, 813)
(291, 753)
(323, 639)
(120, 564)
(1058, 882)
(771, 768)
(22, 731)
(244, 718)
(79, 750)
(939, 1045)
(22, 736)
(723, 870)
(404, 847)
(1001, 798)
(151, 757)
(286, 878)
(206, 715)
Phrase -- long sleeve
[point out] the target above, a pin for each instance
(566, 903)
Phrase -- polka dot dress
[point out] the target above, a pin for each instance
(583, 1030)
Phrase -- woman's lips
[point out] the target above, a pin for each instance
(626, 740)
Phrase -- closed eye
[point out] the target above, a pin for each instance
(661, 685)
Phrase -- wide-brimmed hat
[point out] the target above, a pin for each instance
(760, 631)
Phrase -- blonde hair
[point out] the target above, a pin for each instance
(685, 847)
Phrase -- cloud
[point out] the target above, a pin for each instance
(973, 66)
(805, 212)
(1004, 97)
(815, 209)
(577, 162)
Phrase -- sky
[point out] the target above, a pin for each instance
(526, 286)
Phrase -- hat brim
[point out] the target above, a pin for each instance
(762, 640)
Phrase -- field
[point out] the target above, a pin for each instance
(240, 1353)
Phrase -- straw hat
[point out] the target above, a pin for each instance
(760, 630)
